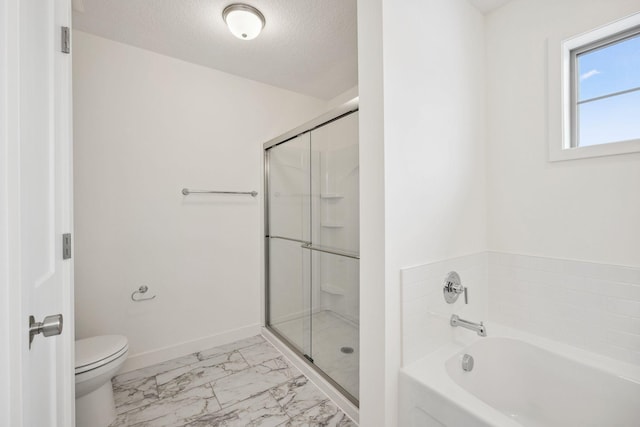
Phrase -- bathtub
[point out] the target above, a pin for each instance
(518, 379)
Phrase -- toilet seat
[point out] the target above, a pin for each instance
(95, 352)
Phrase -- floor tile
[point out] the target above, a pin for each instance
(228, 348)
(134, 394)
(327, 414)
(174, 411)
(202, 372)
(261, 410)
(255, 380)
(246, 383)
(156, 369)
(298, 395)
(256, 354)
(120, 421)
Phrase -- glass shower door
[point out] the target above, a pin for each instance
(312, 228)
(335, 227)
(289, 298)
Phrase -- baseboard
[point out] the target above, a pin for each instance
(148, 358)
(342, 402)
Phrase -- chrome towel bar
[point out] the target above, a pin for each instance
(186, 192)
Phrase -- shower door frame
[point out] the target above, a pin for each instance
(336, 114)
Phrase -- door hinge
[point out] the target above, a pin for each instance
(66, 246)
(65, 40)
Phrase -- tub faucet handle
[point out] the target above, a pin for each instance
(453, 288)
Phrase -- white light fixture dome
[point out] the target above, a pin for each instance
(244, 21)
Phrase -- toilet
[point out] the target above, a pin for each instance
(98, 359)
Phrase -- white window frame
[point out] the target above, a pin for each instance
(562, 126)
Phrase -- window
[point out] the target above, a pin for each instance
(600, 92)
(606, 90)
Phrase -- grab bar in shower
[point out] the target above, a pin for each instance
(330, 251)
(186, 192)
(304, 242)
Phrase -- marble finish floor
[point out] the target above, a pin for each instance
(331, 333)
(245, 383)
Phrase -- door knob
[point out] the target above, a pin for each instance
(50, 326)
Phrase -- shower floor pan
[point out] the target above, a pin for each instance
(332, 335)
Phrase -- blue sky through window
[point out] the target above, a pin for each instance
(604, 71)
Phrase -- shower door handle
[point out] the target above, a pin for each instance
(304, 242)
(330, 251)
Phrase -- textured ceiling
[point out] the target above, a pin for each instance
(307, 46)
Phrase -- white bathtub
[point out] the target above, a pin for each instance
(518, 380)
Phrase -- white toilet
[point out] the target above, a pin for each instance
(97, 361)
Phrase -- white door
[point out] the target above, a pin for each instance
(39, 205)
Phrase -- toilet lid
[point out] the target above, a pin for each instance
(97, 351)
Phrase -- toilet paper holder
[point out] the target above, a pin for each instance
(135, 296)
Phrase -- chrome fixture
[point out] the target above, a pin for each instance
(467, 362)
(478, 328)
(330, 251)
(50, 326)
(186, 192)
(244, 21)
(453, 288)
(311, 247)
(141, 291)
(304, 242)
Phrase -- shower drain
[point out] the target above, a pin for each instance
(346, 350)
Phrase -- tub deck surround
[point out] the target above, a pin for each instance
(589, 305)
(518, 379)
(244, 383)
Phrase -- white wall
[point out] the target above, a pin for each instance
(585, 209)
(375, 399)
(6, 385)
(434, 143)
(443, 195)
(146, 126)
(431, 72)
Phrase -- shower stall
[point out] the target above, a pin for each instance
(312, 244)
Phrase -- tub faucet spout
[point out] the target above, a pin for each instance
(478, 328)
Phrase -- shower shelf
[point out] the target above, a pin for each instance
(332, 225)
(331, 196)
(332, 289)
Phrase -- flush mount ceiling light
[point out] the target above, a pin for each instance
(244, 21)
